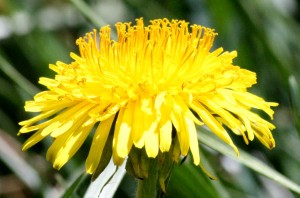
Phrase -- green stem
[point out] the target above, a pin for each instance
(148, 188)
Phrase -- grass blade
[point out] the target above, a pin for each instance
(248, 160)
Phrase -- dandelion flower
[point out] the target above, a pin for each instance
(151, 85)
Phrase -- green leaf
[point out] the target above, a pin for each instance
(248, 160)
(71, 191)
(187, 180)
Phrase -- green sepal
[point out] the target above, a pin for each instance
(144, 164)
(166, 164)
(133, 163)
(176, 150)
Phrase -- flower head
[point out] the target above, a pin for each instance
(152, 84)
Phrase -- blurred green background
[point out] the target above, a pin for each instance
(266, 34)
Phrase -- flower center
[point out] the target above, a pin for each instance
(142, 88)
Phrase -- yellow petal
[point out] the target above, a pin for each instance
(138, 125)
(213, 124)
(62, 140)
(39, 117)
(111, 110)
(165, 136)
(118, 160)
(150, 126)
(148, 119)
(32, 106)
(26, 129)
(249, 129)
(178, 122)
(253, 101)
(123, 132)
(69, 117)
(152, 143)
(98, 144)
(193, 139)
(70, 145)
(35, 138)
(233, 123)
(185, 110)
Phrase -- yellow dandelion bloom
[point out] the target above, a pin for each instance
(152, 84)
